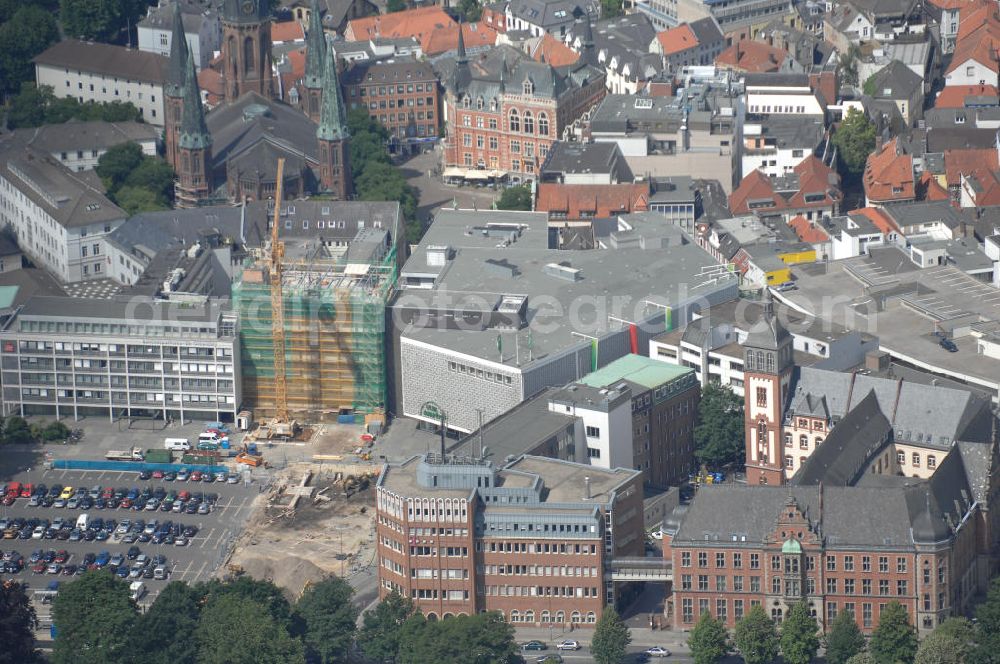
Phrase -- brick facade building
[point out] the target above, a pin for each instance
(504, 111)
(929, 544)
(402, 94)
(531, 540)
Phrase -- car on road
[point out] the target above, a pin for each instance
(534, 645)
(232, 479)
(549, 659)
(657, 651)
(568, 644)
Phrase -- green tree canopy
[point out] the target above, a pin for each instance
(99, 20)
(34, 107)
(93, 616)
(16, 430)
(28, 31)
(515, 198)
(845, 639)
(987, 648)
(709, 640)
(611, 8)
(17, 624)
(263, 593)
(854, 140)
(894, 640)
(799, 635)
(135, 200)
(115, 165)
(135, 181)
(163, 635)
(862, 658)
(240, 626)
(379, 637)
(327, 619)
(718, 431)
(756, 637)
(951, 642)
(470, 10)
(611, 638)
(55, 430)
(484, 638)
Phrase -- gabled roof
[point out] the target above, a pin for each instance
(554, 52)
(751, 55)
(888, 174)
(929, 189)
(968, 161)
(107, 59)
(409, 23)
(677, 40)
(604, 200)
(808, 231)
(955, 96)
(758, 193)
(444, 39)
(986, 185)
(896, 81)
(287, 31)
(879, 218)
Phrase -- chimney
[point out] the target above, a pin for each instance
(586, 488)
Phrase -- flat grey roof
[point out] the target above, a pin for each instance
(138, 309)
(638, 281)
(564, 480)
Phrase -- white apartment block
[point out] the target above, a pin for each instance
(70, 357)
(60, 221)
(202, 29)
(104, 73)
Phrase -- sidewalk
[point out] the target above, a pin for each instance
(641, 637)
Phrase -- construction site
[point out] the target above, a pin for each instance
(319, 293)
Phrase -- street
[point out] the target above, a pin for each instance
(419, 172)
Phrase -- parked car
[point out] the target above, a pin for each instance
(568, 644)
(534, 645)
(948, 345)
(657, 651)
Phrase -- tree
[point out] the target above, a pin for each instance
(611, 638)
(854, 140)
(849, 66)
(55, 430)
(470, 10)
(135, 200)
(515, 198)
(987, 648)
(709, 641)
(381, 627)
(115, 165)
(951, 642)
(16, 430)
(34, 106)
(862, 658)
(93, 616)
(262, 593)
(799, 636)
(154, 175)
(718, 430)
(327, 619)
(163, 634)
(611, 8)
(894, 640)
(94, 20)
(845, 640)
(17, 624)
(756, 637)
(395, 6)
(235, 627)
(485, 638)
(29, 31)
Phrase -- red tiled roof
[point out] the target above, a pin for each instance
(808, 231)
(990, 183)
(677, 39)
(552, 51)
(755, 186)
(751, 56)
(877, 216)
(978, 36)
(815, 177)
(410, 23)
(968, 161)
(210, 81)
(953, 96)
(597, 200)
(444, 39)
(929, 189)
(949, 4)
(887, 169)
(287, 31)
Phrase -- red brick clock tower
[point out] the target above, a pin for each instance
(767, 368)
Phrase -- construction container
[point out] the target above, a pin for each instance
(159, 456)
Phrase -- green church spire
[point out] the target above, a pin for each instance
(194, 132)
(315, 48)
(332, 121)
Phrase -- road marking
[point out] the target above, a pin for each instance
(207, 538)
(200, 570)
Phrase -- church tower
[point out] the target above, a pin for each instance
(173, 91)
(246, 48)
(334, 141)
(194, 145)
(315, 59)
(767, 368)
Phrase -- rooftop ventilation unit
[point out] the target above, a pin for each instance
(563, 271)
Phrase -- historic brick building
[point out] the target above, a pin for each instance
(532, 539)
(504, 110)
(847, 532)
(400, 93)
(246, 48)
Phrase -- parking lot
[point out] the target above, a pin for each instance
(192, 562)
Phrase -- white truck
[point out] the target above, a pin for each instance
(136, 590)
(134, 454)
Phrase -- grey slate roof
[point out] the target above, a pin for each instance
(549, 14)
(846, 452)
(75, 135)
(106, 59)
(571, 157)
(896, 81)
(929, 415)
(625, 40)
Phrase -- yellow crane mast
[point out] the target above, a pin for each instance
(278, 306)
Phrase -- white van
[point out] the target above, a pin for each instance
(177, 444)
(82, 521)
(136, 590)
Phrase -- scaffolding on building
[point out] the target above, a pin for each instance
(335, 323)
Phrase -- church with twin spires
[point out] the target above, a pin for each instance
(231, 153)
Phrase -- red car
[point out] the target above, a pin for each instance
(61, 557)
(125, 504)
(183, 496)
(108, 493)
(27, 490)
(196, 476)
(9, 499)
(157, 474)
(39, 568)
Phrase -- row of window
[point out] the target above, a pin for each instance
(479, 373)
(790, 563)
(521, 123)
(538, 570)
(541, 591)
(547, 617)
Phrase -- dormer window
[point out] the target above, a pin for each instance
(529, 87)
(479, 103)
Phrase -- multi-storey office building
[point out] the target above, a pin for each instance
(531, 540)
(71, 357)
(401, 93)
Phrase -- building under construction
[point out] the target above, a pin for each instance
(339, 267)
